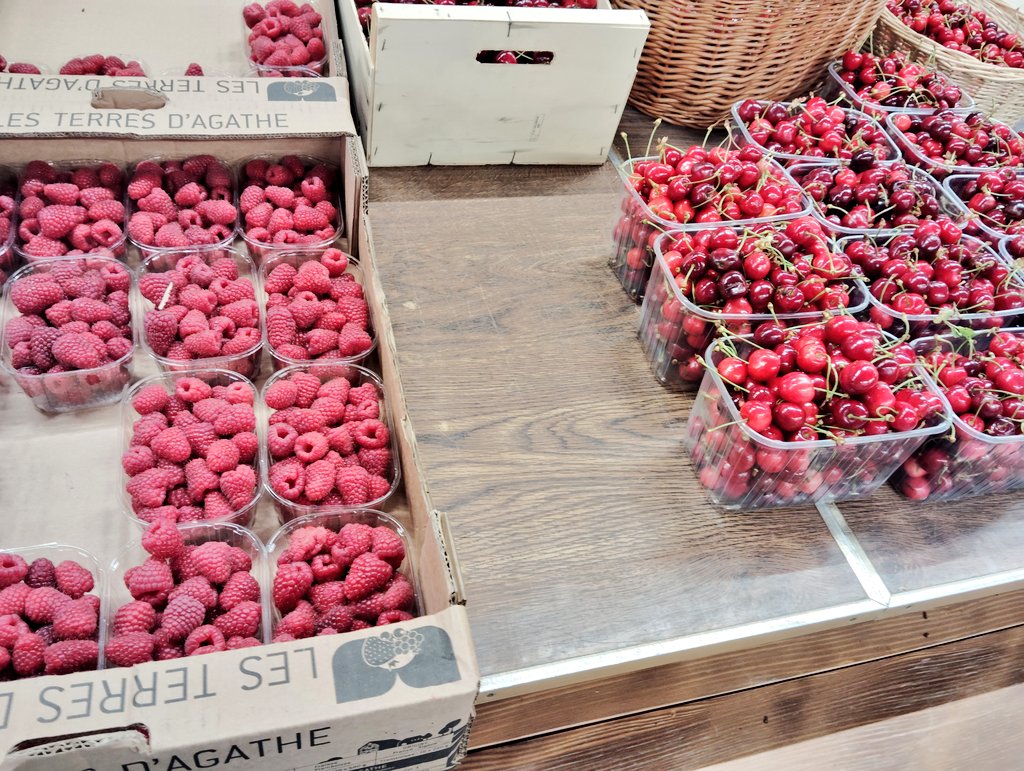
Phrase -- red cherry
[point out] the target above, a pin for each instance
(796, 387)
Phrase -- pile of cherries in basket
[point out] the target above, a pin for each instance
(894, 81)
(959, 27)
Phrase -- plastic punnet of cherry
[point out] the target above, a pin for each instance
(879, 85)
(980, 376)
(951, 142)
(993, 202)
(813, 129)
(694, 189)
(921, 281)
(866, 197)
(758, 279)
(828, 413)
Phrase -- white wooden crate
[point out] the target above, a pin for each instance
(421, 96)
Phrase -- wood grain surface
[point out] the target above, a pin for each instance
(916, 545)
(578, 521)
(714, 730)
(536, 713)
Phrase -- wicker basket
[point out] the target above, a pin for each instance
(998, 91)
(703, 55)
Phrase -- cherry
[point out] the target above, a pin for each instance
(858, 377)
(796, 387)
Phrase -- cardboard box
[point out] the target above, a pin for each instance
(164, 36)
(307, 704)
(421, 96)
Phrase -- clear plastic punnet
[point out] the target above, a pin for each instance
(947, 206)
(247, 361)
(636, 227)
(940, 320)
(74, 389)
(892, 152)
(242, 515)
(60, 552)
(136, 206)
(260, 247)
(112, 243)
(194, 534)
(314, 68)
(295, 258)
(962, 462)
(783, 473)
(9, 258)
(335, 520)
(674, 331)
(879, 111)
(295, 504)
(913, 154)
(976, 224)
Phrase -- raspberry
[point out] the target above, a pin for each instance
(355, 413)
(189, 195)
(355, 309)
(238, 486)
(28, 655)
(222, 455)
(281, 197)
(326, 595)
(12, 599)
(243, 620)
(291, 582)
(163, 540)
(240, 587)
(172, 444)
(236, 393)
(182, 616)
(280, 279)
(281, 327)
(150, 581)
(236, 418)
(339, 618)
(247, 444)
(217, 212)
(193, 323)
(41, 572)
(200, 436)
(205, 639)
(393, 617)
(198, 588)
(129, 648)
(73, 579)
(43, 603)
(313, 277)
(306, 543)
(213, 561)
(310, 447)
(287, 479)
(388, 545)
(251, 197)
(134, 616)
(77, 620)
(399, 594)
(335, 388)
(367, 574)
(216, 506)
(235, 643)
(160, 329)
(353, 484)
(299, 623)
(13, 569)
(62, 193)
(320, 480)
(192, 390)
(230, 291)
(379, 487)
(377, 462)
(371, 434)
(11, 628)
(281, 394)
(68, 656)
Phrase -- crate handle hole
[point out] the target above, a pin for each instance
(515, 57)
(128, 99)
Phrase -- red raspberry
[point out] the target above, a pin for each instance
(90, 311)
(160, 329)
(205, 639)
(355, 413)
(393, 617)
(353, 484)
(42, 572)
(182, 616)
(353, 341)
(388, 545)
(281, 197)
(325, 568)
(309, 219)
(281, 439)
(230, 291)
(11, 628)
(150, 582)
(281, 327)
(299, 623)
(192, 390)
(13, 569)
(236, 418)
(331, 410)
(28, 656)
(73, 579)
(151, 398)
(313, 277)
(217, 212)
(355, 309)
(243, 620)
(129, 648)
(222, 455)
(12, 599)
(305, 311)
(200, 436)
(368, 573)
(339, 618)
(239, 486)
(68, 656)
(43, 603)
(63, 193)
(320, 341)
(240, 587)
(281, 395)
(336, 388)
(172, 444)
(379, 487)
(134, 616)
(251, 197)
(369, 608)
(326, 595)
(371, 434)
(310, 447)
(307, 388)
(216, 506)
(320, 480)
(280, 279)
(287, 479)
(163, 540)
(376, 462)
(291, 582)
(77, 620)
(213, 561)
(235, 643)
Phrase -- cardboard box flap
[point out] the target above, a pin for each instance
(356, 678)
(214, 108)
